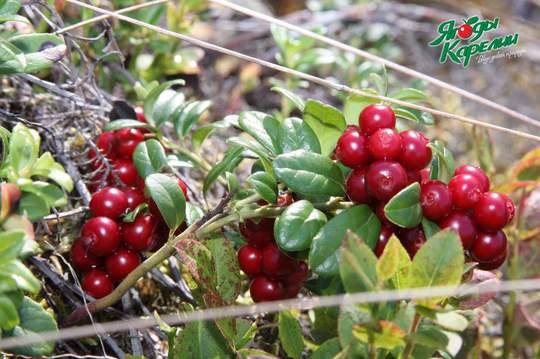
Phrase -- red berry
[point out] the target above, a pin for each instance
(356, 186)
(412, 239)
(81, 259)
(379, 212)
(490, 211)
(494, 264)
(121, 263)
(183, 187)
(128, 139)
(415, 153)
(464, 31)
(465, 191)
(126, 172)
(139, 112)
(109, 202)
(263, 289)
(140, 234)
(413, 176)
(101, 236)
(436, 200)
(352, 128)
(374, 117)
(489, 246)
(291, 291)
(385, 144)
(106, 142)
(275, 263)
(424, 175)
(298, 276)
(462, 223)
(250, 260)
(285, 199)
(97, 284)
(351, 149)
(385, 178)
(510, 208)
(477, 173)
(258, 234)
(384, 236)
(135, 197)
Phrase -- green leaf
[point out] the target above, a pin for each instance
(410, 95)
(430, 337)
(33, 320)
(23, 150)
(9, 317)
(199, 135)
(131, 216)
(9, 7)
(227, 271)
(328, 349)
(11, 244)
(35, 53)
(452, 321)
(7, 284)
(193, 213)
(272, 126)
(118, 124)
(357, 266)
(326, 121)
(291, 96)
(309, 173)
(50, 193)
(442, 163)
(297, 225)
(324, 252)
(290, 335)
(430, 228)
(169, 198)
(187, 115)
(348, 318)
(404, 208)
(389, 337)
(167, 104)
(253, 123)
(33, 206)
(153, 96)
(149, 157)
(265, 185)
(201, 340)
(295, 134)
(439, 262)
(21, 275)
(255, 353)
(230, 160)
(46, 166)
(254, 147)
(354, 104)
(393, 260)
(4, 138)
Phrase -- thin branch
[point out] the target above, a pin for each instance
(314, 79)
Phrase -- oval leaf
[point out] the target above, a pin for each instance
(149, 157)
(295, 134)
(404, 208)
(290, 334)
(169, 198)
(127, 123)
(265, 185)
(326, 121)
(253, 123)
(357, 266)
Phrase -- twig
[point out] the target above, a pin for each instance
(167, 281)
(305, 76)
(73, 212)
(134, 337)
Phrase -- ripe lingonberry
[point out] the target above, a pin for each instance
(264, 289)
(250, 260)
(379, 212)
(510, 208)
(384, 236)
(385, 178)
(490, 211)
(424, 175)
(298, 275)
(494, 264)
(376, 116)
(465, 191)
(385, 144)
(97, 284)
(477, 173)
(489, 246)
(275, 263)
(412, 239)
(258, 234)
(139, 112)
(183, 187)
(101, 236)
(351, 149)
(140, 234)
(285, 199)
(291, 291)
(462, 223)
(413, 176)
(356, 186)
(436, 200)
(128, 139)
(415, 153)
(126, 172)
(121, 263)
(109, 202)
(106, 143)
(135, 197)
(81, 259)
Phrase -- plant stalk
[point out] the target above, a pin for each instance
(409, 347)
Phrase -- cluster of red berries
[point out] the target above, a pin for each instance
(275, 275)
(108, 248)
(384, 162)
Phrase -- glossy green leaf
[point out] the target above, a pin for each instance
(309, 173)
(451, 321)
(328, 349)
(404, 208)
(272, 126)
(33, 206)
(354, 104)
(350, 316)
(201, 340)
(295, 134)
(9, 317)
(33, 320)
(200, 135)
(167, 104)
(4, 138)
(442, 162)
(23, 149)
(50, 193)
(153, 96)
(131, 216)
(326, 121)
(149, 157)
(253, 123)
(357, 266)
(11, 244)
(265, 185)
(297, 225)
(187, 115)
(7, 284)
(290, 334)
(430, 337)
(324, 252)
(46, 166)
(21, 275)
(227, 272)
(9, 7)
(430, 228)
(168, 197)
(230, 160)
(409, 94)
(296, 100)
(35, 52)
(256, 148)
(118, 124)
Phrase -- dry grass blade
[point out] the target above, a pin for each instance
(311, 78)
(392, 65)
